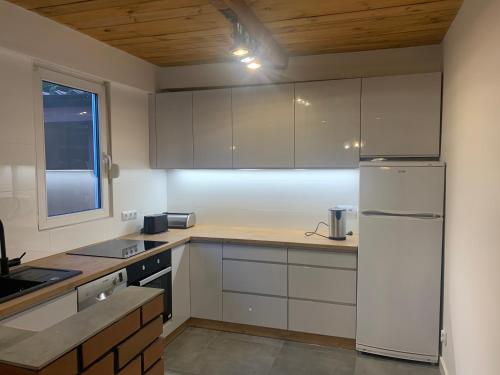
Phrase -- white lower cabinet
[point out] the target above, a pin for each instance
(45, 315)
(256, 253)
(255, 285)
(206, 280)
(255, 277)
(322, 292)
(322, 258)
(181, 302)
(301, 290)
(256, 310)
(322, 284)
(322, 318)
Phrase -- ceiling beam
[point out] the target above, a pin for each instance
(268, 47)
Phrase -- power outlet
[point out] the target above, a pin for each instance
(444, 337)
(129, 215)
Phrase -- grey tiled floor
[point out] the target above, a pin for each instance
(205, 352)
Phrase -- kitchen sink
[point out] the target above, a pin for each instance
(10, 286)
(24, 280)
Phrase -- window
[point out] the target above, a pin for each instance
(71, 141)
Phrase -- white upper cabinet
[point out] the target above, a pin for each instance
(321, 124)
(327, 124)
(174, 130)
(212, 129)
(263, 126)
(401, 116)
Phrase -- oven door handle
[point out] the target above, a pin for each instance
(155, 276)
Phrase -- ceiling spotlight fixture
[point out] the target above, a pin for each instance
(244, 46)
(247, 59)
(240, 51)
(242, 42)
(254, 65)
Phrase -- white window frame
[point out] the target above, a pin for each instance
(99, 88)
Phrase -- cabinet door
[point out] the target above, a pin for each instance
(255, 277)
(212, 129)
(206, 280)
(401, 116)
(264, 311)
(322, 318)
(254, 252)
(181, 300)
(45, 315)
(322, 284)
(263, 126)
(327, 124)
(174, 130)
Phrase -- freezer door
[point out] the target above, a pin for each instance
(403, 189)
(399, 283)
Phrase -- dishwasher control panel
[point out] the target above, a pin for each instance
(100, 289)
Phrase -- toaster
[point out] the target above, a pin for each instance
(181, 220)
(155, 224)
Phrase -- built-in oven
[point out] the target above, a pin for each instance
(154, 272)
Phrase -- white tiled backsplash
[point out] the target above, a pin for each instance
(138, 187)
(261, 198)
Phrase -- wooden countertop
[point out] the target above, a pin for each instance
(93, 268)
(39, 349)
(264, 236)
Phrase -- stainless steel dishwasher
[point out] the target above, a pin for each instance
(100, 289)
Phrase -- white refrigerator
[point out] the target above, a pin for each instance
(399, 259)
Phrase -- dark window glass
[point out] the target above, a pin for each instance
(71, 149)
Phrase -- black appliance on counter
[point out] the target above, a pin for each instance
(155, 224)
(154, 272)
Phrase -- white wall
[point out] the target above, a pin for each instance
(26, 38)
(304, 68)
(261, 198)
(45, 40)
(471, 148)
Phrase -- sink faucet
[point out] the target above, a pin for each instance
(4, 261)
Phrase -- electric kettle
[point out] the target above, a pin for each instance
(337, 224)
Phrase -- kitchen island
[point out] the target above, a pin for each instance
(119, 334)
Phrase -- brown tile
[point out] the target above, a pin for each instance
(140, 340)
(133, 368)
(105, 366)
(101, 343)
(157, 369)
(152, 309)
(152, 353)
(67, 364)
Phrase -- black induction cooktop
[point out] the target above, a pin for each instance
(117, 248)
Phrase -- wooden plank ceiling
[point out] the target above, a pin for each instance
(179, 32)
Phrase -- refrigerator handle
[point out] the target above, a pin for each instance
(424, 215)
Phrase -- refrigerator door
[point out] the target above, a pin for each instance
(402, 188)
(399, 278)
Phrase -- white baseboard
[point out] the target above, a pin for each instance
(442, 366)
